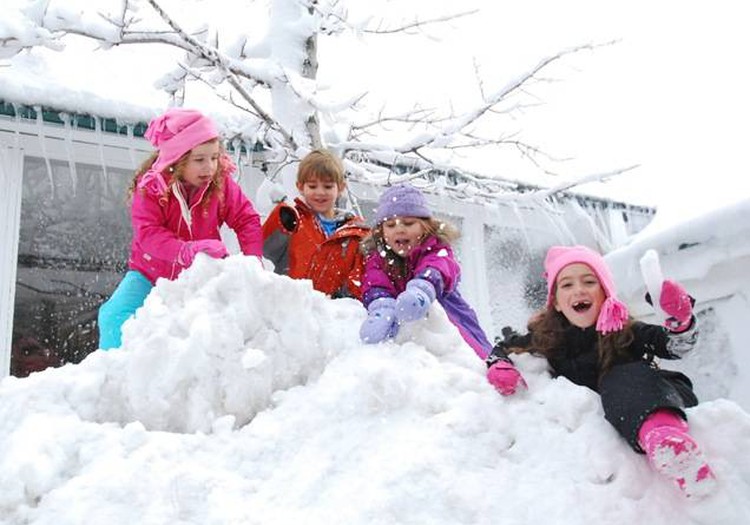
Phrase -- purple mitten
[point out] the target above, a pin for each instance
(505, 378)
(381, 321)
(211, 247)
(676, 303)
(414, 302)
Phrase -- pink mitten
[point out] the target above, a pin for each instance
(677, 304)
(211, 247)
(505, 378)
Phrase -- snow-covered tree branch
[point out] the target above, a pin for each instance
(273, 79)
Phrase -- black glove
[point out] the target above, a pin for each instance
(288, 218)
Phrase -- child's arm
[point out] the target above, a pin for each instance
(501, 373)
(439, 266)
(282, 222)
(680, 331)
(436, 273)
(378, 296)
(149, 228)
(243, 219)
(354, 280)
(511, 339)
(283, 218)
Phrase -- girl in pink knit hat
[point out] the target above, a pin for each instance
(181, 196)
(587, 336)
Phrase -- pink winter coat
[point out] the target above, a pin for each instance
(160, 228)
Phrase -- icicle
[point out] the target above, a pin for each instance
(45, 155)
(98, 129)
(69, 150)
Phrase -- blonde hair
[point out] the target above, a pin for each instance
(323, 165)
(396, 264)
(175, 173)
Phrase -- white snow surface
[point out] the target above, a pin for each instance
(240, 396)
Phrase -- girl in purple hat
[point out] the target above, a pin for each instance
(409, 264)
(181, 196)
(587, 336)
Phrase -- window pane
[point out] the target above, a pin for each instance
(73, 247)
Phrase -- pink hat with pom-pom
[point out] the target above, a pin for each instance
(174, 133)
(614, 313)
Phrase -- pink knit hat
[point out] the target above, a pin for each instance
(174, 133)
(614, 314)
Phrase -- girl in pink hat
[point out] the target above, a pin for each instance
(587, 336)
(181, 196)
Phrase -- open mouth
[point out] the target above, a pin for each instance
(401, 246)
(581, 306)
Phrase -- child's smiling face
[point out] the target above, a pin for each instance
(403, 234)
(579, 295)
(320, 195)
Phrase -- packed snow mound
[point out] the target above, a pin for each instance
(240, 396)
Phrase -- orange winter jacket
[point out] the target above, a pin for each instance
(298, 247)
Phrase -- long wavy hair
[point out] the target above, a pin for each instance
(175, 173)
(547, 328)
(396, 264)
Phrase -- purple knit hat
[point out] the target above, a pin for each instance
(614, 313)
(174, 133)
(401, 200)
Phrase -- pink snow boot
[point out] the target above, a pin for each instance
(673, 453)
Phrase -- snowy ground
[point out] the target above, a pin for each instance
(245, 397)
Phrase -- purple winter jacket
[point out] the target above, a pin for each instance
(433, 260)
(161, 226)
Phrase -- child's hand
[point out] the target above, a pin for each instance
(677, 304)
(505, 378)
(289, 218)
(381, 321)
(414, 302)
(211, 247)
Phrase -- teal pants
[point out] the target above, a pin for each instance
(129, 295)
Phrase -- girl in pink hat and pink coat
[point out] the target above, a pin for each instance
(181, 196)
(587, 336)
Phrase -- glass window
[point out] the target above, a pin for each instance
(73, 247)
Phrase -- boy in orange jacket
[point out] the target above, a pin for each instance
(312, 239)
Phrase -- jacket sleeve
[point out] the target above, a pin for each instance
(243, 219)
(439, 259)
(375, 281)
(150, 228)
(656, 340)
(276, 234)
(356, 274)
(511, 339)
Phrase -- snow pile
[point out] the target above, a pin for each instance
(245, 397)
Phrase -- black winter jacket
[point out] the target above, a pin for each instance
(633, 388)
(578, 357)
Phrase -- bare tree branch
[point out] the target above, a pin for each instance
(419, 24)
(431, 133)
